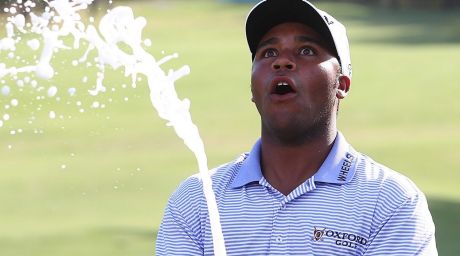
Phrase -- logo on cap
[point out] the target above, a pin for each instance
(329, 22)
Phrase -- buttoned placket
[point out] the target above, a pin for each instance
(279, 239)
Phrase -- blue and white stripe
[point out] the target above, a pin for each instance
(351, 206)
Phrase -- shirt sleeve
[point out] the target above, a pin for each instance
(408, 231)
(175, 236)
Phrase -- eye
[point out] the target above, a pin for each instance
(307, 51)
(270, 53)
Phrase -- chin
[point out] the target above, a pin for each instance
(296, 132)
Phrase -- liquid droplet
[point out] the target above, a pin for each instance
(6, 90)
(52, 115)
(14, 102)
(52, 91)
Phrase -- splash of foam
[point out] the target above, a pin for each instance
(61, 19)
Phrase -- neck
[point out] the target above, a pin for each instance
(287, 165)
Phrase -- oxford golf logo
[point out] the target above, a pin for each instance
(318, 233)
(340, 238)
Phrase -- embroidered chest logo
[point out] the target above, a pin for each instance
(340, 238)
(318, 233)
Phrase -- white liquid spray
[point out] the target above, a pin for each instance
(61, 19)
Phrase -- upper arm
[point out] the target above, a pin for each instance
(408, 230)
(177, 236)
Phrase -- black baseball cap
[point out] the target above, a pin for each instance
(269, 13)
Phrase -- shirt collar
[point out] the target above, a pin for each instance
(250, 170)
(339, 166)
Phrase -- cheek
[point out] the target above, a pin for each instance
(328, 71)
(255, 71)
(323, 84)
(257, 79)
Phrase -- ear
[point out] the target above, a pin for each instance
(343, 86)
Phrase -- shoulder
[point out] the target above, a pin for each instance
(393, 192)
(398, 209)
(190, 191)
(387, 181)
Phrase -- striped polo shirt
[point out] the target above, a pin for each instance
(351, 206)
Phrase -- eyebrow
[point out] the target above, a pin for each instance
(272, 40)
(303, 39)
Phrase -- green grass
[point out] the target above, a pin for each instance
(122, 162)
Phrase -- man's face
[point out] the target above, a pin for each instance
(294, 81)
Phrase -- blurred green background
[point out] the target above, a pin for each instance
(97, 182)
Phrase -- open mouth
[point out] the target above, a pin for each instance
(282, 88)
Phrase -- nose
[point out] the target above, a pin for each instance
(283, 63)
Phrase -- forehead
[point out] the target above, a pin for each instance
(292, 29)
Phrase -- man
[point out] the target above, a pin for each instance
(302, 189)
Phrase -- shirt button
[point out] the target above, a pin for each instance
(279, 239)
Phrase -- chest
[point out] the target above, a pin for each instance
(257, 222)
